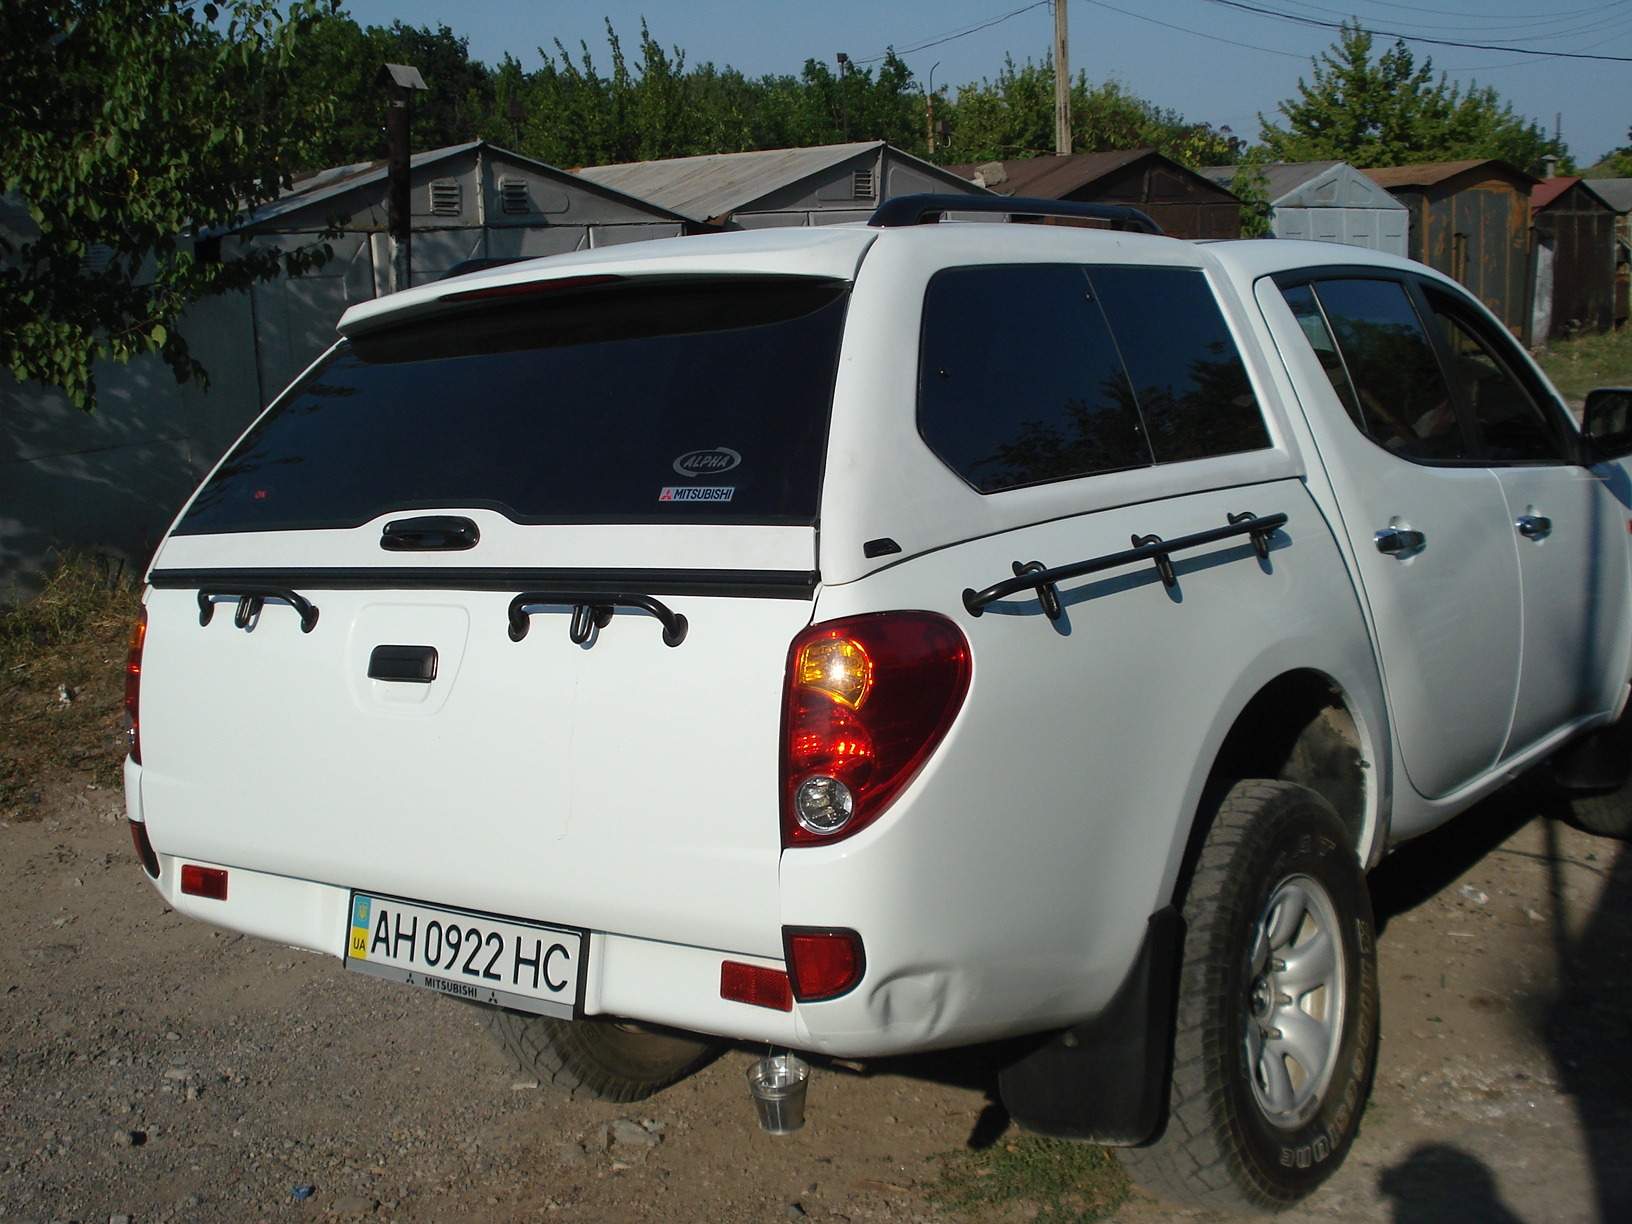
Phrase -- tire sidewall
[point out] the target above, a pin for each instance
(1300, 836)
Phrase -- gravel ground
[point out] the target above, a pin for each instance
(154, 1069)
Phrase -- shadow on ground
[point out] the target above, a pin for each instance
(1586, 1026)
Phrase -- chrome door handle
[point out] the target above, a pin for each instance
(1533, 526)
(1395, 540)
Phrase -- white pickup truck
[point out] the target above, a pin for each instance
(885, 637)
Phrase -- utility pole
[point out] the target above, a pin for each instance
(844, 94)
(1062, 81)
(929, 107)
(401, 82)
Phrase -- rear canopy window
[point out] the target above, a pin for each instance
(641, 401)
(1038, 372)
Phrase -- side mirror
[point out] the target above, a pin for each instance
(1607, 420)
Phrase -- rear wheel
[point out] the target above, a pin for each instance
(1275, 1041)
(1607, 813)
(606, 1060)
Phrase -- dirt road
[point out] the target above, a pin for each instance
(152, 1068)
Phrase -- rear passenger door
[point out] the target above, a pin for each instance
(1570, 530)
(1426, 519)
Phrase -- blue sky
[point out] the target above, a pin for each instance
(1210, 61)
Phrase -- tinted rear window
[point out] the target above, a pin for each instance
(701, 401)
(1030, 373)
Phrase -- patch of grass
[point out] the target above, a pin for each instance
(62, 660)
(1068, 1183)
(1600, 360)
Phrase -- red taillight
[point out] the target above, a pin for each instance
(144, 848)
(208, 882)
(822, 964)
(133, 690)
(868, 699)
(755, 984)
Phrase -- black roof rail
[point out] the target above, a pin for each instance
(927, 209)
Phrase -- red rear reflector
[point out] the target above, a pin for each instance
(822, 964)
(144, 848)
(208, 882)
(755, 984)
(133, 693)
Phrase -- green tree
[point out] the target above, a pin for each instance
(1391, 111)
(130, 125)
(1013, 116)
(1617, 163)
(338, 73)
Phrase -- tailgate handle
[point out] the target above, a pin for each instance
(405, 664)
(594, 610)
(430, 533)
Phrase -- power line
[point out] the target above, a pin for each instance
(1317, 22)
(1184, 30)
(953, 35)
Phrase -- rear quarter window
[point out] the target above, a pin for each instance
(1032, 373)
(644, 401)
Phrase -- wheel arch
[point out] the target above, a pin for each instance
(1302, 725)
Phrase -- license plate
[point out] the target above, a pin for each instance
(530, 966)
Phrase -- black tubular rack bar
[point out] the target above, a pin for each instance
(594, 608)
(928, 209)
(1032, 575)
(250, 597)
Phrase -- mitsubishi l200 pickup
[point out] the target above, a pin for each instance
(890, 637)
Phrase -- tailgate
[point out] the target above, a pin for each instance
(586, 440)
(619, 784)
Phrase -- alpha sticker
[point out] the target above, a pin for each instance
(696, 493)
(710, 462)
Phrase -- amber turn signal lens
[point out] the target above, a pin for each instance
(836, 666)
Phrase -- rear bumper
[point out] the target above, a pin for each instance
(897, 1008)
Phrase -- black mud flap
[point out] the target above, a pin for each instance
(1105, 1080)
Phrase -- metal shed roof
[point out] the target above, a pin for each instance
(1431, 174)
(1315, 184)
(323, 185)
(717, 184)
(1057, 176)
(1616, 192)
(1549, 191)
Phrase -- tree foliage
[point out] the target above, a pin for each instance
(1617, 163)
(131, 126)
(1013, 116)
(338, 73)
(1392, 111)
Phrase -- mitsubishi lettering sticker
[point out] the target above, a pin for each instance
(696, 493)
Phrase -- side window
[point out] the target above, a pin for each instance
(1389, 379)
(1031, 373)
(1187, 374)
(1515, 428)
(1301, 298)
(1019, 381)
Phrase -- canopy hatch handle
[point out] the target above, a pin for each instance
(251, 597)
(430, 533)
(593, 610)
(1034, 576)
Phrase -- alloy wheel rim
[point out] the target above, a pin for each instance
(1294, 1001)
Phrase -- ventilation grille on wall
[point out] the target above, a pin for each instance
(513, 197)
(96, 260)
(446, 198)
(862, 186)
